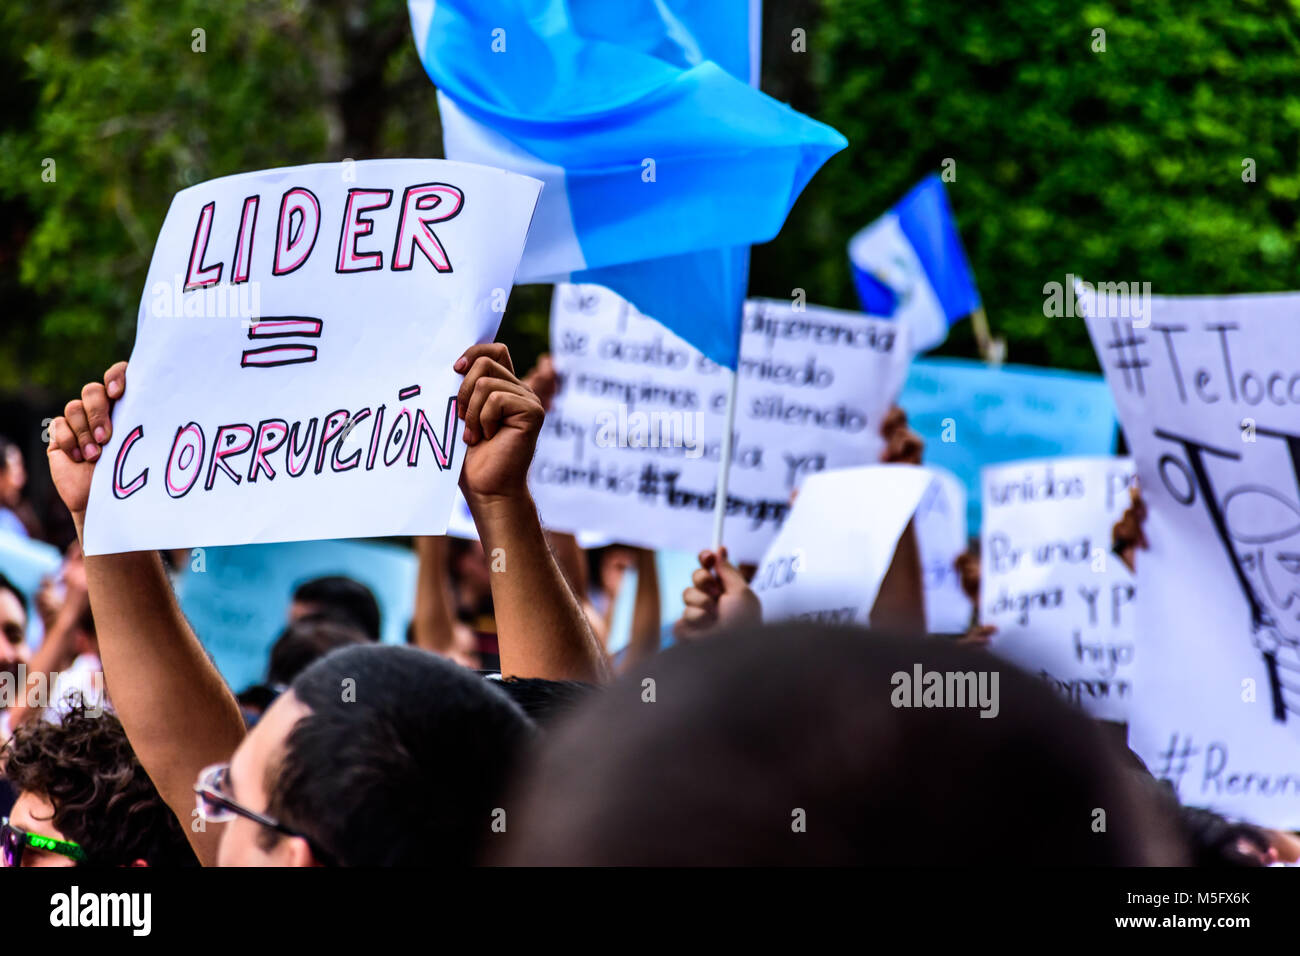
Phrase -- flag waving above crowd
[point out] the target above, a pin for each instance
(651, 150)
(909, 265)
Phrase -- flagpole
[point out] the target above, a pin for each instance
(992, 350)
(980, 326)
(724, 464)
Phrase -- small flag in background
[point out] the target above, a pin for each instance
(660, 166)
(909, 265)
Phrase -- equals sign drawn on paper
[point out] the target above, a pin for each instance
(281, 327)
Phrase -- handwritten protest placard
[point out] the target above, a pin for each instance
(971, 415)
(831, 555)
(237, 599)
(1063, 604)
(631, 445)
(941, 538)
(292, 371)
(1208, 392)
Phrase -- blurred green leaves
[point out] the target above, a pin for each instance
(1124, 165)
(1121, 165)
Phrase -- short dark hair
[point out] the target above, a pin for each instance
(305, 640)
(545, 700)
(102, 797)
(751, 733)
(345, 598)
(401, 761)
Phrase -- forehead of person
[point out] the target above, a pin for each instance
(33, 813)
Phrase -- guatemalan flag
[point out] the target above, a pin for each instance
(662, 163)
(909, 265)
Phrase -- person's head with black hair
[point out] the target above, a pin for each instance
(304, 641)
(13, 627)
(79, 783)
(375, 756)
(298, 645)
(606, 567)
(340, 597)
(791, 744)
(545, 700)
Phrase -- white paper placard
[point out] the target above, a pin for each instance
(632, 442)
(831, 555)
(292, 372)
(1063, 604)
(1208, 392)
(941, 538)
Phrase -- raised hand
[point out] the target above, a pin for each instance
(902, 445)
(78, 436)
(1129, 532)
(503, 418)
(719, 597)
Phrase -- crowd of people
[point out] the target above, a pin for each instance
(505, 732)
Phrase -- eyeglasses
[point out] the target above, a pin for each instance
(14, 841)
(216, 805)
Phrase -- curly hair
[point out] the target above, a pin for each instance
(102, 798)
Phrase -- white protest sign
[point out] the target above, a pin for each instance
(1064, 606)
(941, 539)
(831, 555)
(1208, 393)
(632, 442)
(292, 371)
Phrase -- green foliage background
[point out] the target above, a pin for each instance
(1122, 165)
(1117, 165)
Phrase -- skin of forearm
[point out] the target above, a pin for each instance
(573, 563)
(644, 641)
(177, 711)
(433, 621)
(56, 653)
(900, 603)
(541, 629)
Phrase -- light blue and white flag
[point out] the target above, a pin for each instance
(662, 164)
(909, 265)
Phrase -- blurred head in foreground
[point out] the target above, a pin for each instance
(792, 745)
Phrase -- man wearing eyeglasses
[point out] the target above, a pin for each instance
(375, 755)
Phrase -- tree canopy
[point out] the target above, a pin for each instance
(1116, 141)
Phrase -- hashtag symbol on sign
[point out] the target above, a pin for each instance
(1127, 345)
(649, 484)
(1174, 761)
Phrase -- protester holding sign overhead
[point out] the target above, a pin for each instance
(181, 718)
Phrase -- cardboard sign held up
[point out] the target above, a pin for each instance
(292, 372)
(1208, 392)
(1064, 606)
(632, 443)
(831, 556)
